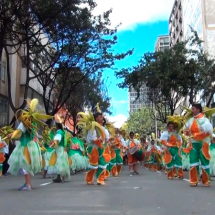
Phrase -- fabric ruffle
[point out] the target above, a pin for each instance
(62, 164)
(25, 157)
(79, 162)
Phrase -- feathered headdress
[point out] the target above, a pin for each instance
(4, 131)
(176, 119)
(87, 123)
(98, 108)
(30, 116)
(208, 112)
(111, 129)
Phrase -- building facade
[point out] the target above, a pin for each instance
(135, 102)
(162, 43)
(200, 16)
(176, 23)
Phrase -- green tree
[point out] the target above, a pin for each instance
(170, 76)
(142, 122)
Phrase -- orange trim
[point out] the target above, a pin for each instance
(94, 157)
(53, 159)
(98, 142)
(90, 176)
(205, 151)
(170, 173)
(200, 136)
(101, 177)
(205, 178)
(119, 168)
(43, 163)
(114, 171)
(70, 161)
(180, 173)
(27, 155)
(2, 158)
(167, 157)
(193, 175)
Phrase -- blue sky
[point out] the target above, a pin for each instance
(142, 22)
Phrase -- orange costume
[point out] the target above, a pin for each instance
(172, 154)
(200, 129)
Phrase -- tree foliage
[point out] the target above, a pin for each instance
(142, 122)
(56, 39)
(171, 76)
(86, 96)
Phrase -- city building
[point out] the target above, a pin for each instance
(176, 23)
(162, 43)
(200, 16)
(135, 102)
(18, 72)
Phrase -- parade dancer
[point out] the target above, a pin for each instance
(199, 129)
(26, 157)
(133, 145)
(173, 141)
(49, 154)
(59, 142)
(76, 153)
(154, 156)
(96, 136)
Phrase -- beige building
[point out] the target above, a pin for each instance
(18, 73)
(176, 23)
(162, 43)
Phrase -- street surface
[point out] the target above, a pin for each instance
(149, 193)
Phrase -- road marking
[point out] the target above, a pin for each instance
(183, 178)
(78, 212)
(137, 188)
(186, 180)
(46, 183)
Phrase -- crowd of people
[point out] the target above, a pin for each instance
(188, 143)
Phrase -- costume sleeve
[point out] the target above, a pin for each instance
(58, 137)
(149, 148)
(107, 135)
(91, 136)
(21, 127)
(164, 138)
(137, 142)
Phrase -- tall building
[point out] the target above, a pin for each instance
(162, 43)
(134, 103)
(176, 23)
(200, 15)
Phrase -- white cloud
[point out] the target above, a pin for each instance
(133, 12)
(118, 119)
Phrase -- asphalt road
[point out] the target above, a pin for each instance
(149, 193)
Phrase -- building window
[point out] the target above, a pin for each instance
(3, 71)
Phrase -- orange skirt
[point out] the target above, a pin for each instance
(132, 159)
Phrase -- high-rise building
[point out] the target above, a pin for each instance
(176, 23)
(135, 102)
(200, 16)
(162, 43)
